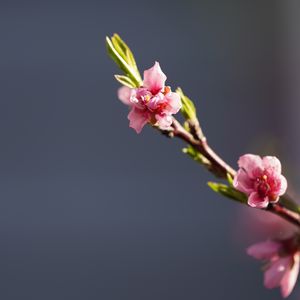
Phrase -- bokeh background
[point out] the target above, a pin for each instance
(89, 209)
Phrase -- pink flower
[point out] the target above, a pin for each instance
(261, 179)
(153, 102)
(283, 259)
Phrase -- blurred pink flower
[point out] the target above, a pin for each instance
(153, 102)
(260, 225)
(261, 179)
(283, 257)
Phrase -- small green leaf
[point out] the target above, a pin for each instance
(118, 46)
(228, 192)
(123, 57)
(229, 179)
(195, 155)
(125, 80)
(125, 50)
(188, 108)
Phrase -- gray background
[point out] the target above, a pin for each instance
(89, 209)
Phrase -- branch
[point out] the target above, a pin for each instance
(219, 167)
(286, 208)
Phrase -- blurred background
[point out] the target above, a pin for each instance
(89, 209)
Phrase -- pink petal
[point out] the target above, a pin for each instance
(137, 119)
(283, 185)
(275, 273)
(164, 122)
(140, 93)
(243, 182)
(250, 163)
(290, 277)
(174, 103)
(272, 162)
(264, 250)
(255, 200)
(154, 78)
(138, 97)
(156, 101)
(124, 94)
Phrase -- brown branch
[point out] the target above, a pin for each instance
(283, 212)
(220, 168)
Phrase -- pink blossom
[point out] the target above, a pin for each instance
(153, 102)
(282, 267)
(261, 179)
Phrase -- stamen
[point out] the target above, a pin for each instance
(147, 98)
(167, 90)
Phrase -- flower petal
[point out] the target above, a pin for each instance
(155, 102)
(250, 163)
(275, 273)
(174, 103)
(255, 200)
(272, 162)
(124, 94)
(264, 250)
(283, 185)
(154, 78)
(243, 182)
(137, 119)
(164, 121)
(290, 277)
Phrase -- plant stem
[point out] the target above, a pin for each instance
(221, 169)
(285, 213)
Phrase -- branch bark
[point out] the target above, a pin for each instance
(221, 169)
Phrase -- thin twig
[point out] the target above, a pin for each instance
(221, 169)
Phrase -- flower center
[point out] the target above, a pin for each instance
(162, 106)
(262, 185)
(147, 98)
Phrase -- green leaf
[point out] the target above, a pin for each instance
(188, 108)
(229, 179)
(123, 57)
(125, 50)
(125, 80)
(119, 45)
(195, 155)
(228, 192)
